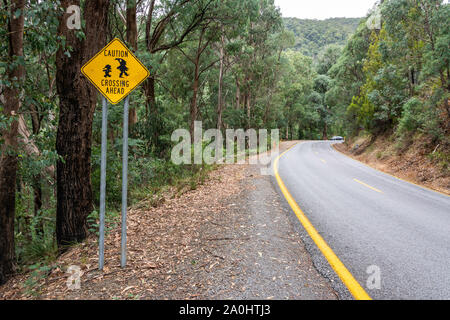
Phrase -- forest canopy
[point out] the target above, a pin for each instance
(312, 36)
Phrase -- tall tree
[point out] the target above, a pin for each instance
(321, 86)
(220, 85)
(165, 31)
(197, 59)
(132, 39)
(77, 104)
(8, 155)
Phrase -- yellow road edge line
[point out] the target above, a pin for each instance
(344, 274)
(366, 185)
(404, 180)
(323, 161)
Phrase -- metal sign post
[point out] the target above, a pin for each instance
(103, 183)
(123, 246)
(123, 249)
(101, 71)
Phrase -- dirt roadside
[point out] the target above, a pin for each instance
(228, 239)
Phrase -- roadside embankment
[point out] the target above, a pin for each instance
(417, 160)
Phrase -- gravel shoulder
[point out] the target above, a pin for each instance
(270, 260)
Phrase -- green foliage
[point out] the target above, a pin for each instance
(34, 282)
(327, 58)
(411, 116)
(312, 36)
(321, 84)
(299, 116)
(421, 117)
(34, 234)
(396, 77)
(362, 110)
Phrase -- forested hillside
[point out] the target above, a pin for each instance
(312, 36)
(395, 77)
(391, 83)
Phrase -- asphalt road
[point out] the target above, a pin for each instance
(369, 218)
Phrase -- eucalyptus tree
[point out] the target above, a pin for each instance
(257, 55)
(198, 53)
(77, 102)
(299, 116)
(167, 25)
(11, 102)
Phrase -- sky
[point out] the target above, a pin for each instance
(323, 9)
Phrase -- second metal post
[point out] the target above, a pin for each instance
(103, 184)
(123, 251)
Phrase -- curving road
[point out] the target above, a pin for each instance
(369, 218)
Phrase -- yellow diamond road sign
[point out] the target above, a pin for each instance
(115, 71)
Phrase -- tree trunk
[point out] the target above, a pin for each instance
(238, 95)
(132, 37)
(249, 112)
(220, 100)
(152, 111)
(37, 187)
(76, 109)
(37, 190)
(8, 156)
(194, 108)
(149, 88)
(325, 129)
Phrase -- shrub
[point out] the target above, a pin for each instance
(411, 118)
